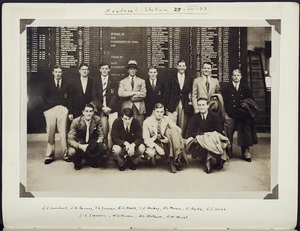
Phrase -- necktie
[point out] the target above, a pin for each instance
(132, 83)
(203, 117)
(159, 135)
(87, 136)
(127, 129)
(236, 87)
(207, 84)
(57, 85)
(153, 85)
(104, 87)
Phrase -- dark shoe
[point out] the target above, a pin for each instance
(121, 168)
(77, 167)
(208, 171)
(219, 166)
(48, 161)
(178, 168)
(94, 165)
(66, 158)
(131, 165)
(247, 159)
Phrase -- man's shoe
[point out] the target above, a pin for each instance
(66, 158)
(48, 161)
(219, 166)
(208, 171)
(247, 159)
(178, 168)
(77, 167)
(131, 165)
(121, 168)
(94, 165)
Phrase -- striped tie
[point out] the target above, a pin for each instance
(104, 92)
(132, 83)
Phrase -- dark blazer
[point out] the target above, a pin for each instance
(173, 93)
(77, 133)
(233, 99)
(53, 96)
(79, 99)
(112, 98)
(119, 135)
(154, 96)
(198, 126)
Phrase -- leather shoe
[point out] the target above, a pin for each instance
(208, 171)
(121, 168)
(94, 165)
(77, 167)
(178, 168)
(247, 159)
(219, 166)
(48, 161)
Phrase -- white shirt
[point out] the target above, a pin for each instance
(181, 78)
(60, 80)
(236, 85)
(84, 81)
(205, 115)
(155, 80)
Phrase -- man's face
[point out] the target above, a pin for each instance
(104, 70)
(127, 120)
(132, 71)
(202, 106)
(88, 112)
(84, 71)
(159, 113)
(181, 67)
(152, 73)
(236, 76)
(206, 70)
(57, 73)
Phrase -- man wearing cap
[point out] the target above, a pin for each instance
(85, 138)
(204, 86)
(106, 100)
(127, 140)
(236, 118)
(81, 91)
(132, 91)
(56, 104)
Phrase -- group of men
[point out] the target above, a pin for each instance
(147, 119)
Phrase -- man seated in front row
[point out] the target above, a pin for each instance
(85, 138)
(127, 140)
(206, 136)
(162, 137)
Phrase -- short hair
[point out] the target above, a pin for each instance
(83, 65)
(88, 105)
(208, 63)
(237, 70)
(181, 61)
(104, 64)
(202, 98)
(127, 112)
(152, 67)
(57, 67)
(158, 105)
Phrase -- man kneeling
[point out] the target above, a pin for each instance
(127, 140)
(206, 136)
(162, 137)
(85, 138)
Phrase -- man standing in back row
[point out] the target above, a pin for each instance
(132, 90)
(56, 104)
(105, 98)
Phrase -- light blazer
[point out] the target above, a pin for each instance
(77, 133)
(199, 89)
(150, 129)
(128, 101)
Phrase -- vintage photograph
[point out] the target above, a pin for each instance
(177, 112)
